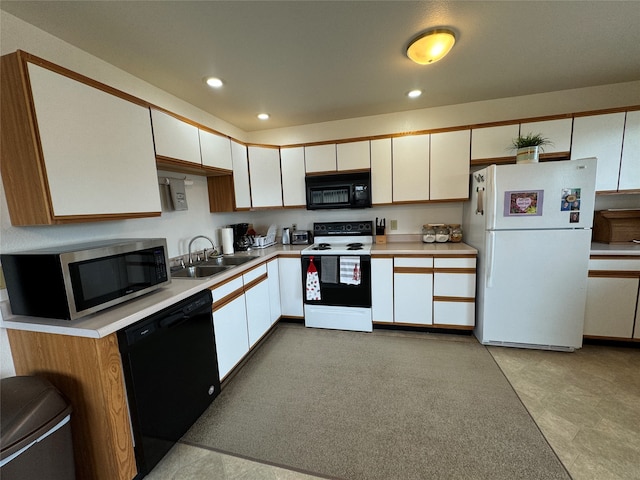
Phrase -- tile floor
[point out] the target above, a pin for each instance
(586, 403)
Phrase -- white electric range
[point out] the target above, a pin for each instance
(336, 276)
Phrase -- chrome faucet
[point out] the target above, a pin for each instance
(191, 243)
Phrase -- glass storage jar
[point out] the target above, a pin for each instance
(455, 232)
(428, 233)
(442, 233)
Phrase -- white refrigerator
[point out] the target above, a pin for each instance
(531, 224)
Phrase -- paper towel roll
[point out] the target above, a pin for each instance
(226, 235)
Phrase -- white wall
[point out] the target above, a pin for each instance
(179, 227)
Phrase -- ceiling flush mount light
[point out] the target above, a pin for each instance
(263, 116)
(214, 82)
(414, 93)
(431, 46)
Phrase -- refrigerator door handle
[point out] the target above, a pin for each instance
(490, 256)
(492, 197)
(480, 201)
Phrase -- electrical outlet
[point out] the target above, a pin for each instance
(394, 224)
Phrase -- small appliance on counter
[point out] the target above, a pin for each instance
(286, 236)
(84, 278)
(301, 237)
(241, 238)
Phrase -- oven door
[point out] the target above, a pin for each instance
(332, 291)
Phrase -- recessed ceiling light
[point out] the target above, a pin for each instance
(414, 93)
(263, 116)
(431, 46)
(214, 82)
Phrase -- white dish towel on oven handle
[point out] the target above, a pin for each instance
(350, 270)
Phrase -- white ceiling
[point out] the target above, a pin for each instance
(314, 61)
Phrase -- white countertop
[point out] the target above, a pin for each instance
(400, 248)
(615, 248)
(111, 320)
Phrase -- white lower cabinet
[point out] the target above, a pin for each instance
(454, 291)
(273, 271)
(382, 290)
(256, 293)
(612, 298)
(230, 325)
(291, 286)
(413, 290)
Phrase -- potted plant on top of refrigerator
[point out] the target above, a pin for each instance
(528, 147)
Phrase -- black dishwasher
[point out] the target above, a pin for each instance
(171, 374)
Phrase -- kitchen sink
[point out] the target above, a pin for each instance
(200, 271)
(229, 261)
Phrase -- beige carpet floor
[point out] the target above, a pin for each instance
(374, 406)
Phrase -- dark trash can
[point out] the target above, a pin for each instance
(35, 433)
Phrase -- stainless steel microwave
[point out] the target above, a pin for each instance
(340, 190)
(72, 281)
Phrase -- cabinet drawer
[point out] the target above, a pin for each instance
(454, 313)
(254, 273)
(458, 262)
(227, 289)
(454, 285)
(419, 262)
(613, 263)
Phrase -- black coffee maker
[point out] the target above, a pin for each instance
(241, 240)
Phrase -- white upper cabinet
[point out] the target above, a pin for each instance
(557, 131)
(175, 139)
(264, 168)
(240, 176)
(215, 150)
(97, 149)
(600, 136)
(630, 165)
(293, 187)
(381, 171)
(353, 156)
(410, 168)
(450, 165)
(320, 158)
(493, 142)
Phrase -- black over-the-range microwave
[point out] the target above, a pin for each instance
(340, 190)
(72, 281)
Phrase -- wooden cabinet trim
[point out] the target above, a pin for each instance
(227, 299)
(614, 274)
(96, 84)
(256, 281)
(439, 298)
(614, 257)
(420, 270)
(466, 271)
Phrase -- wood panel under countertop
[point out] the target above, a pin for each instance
(89, 373)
